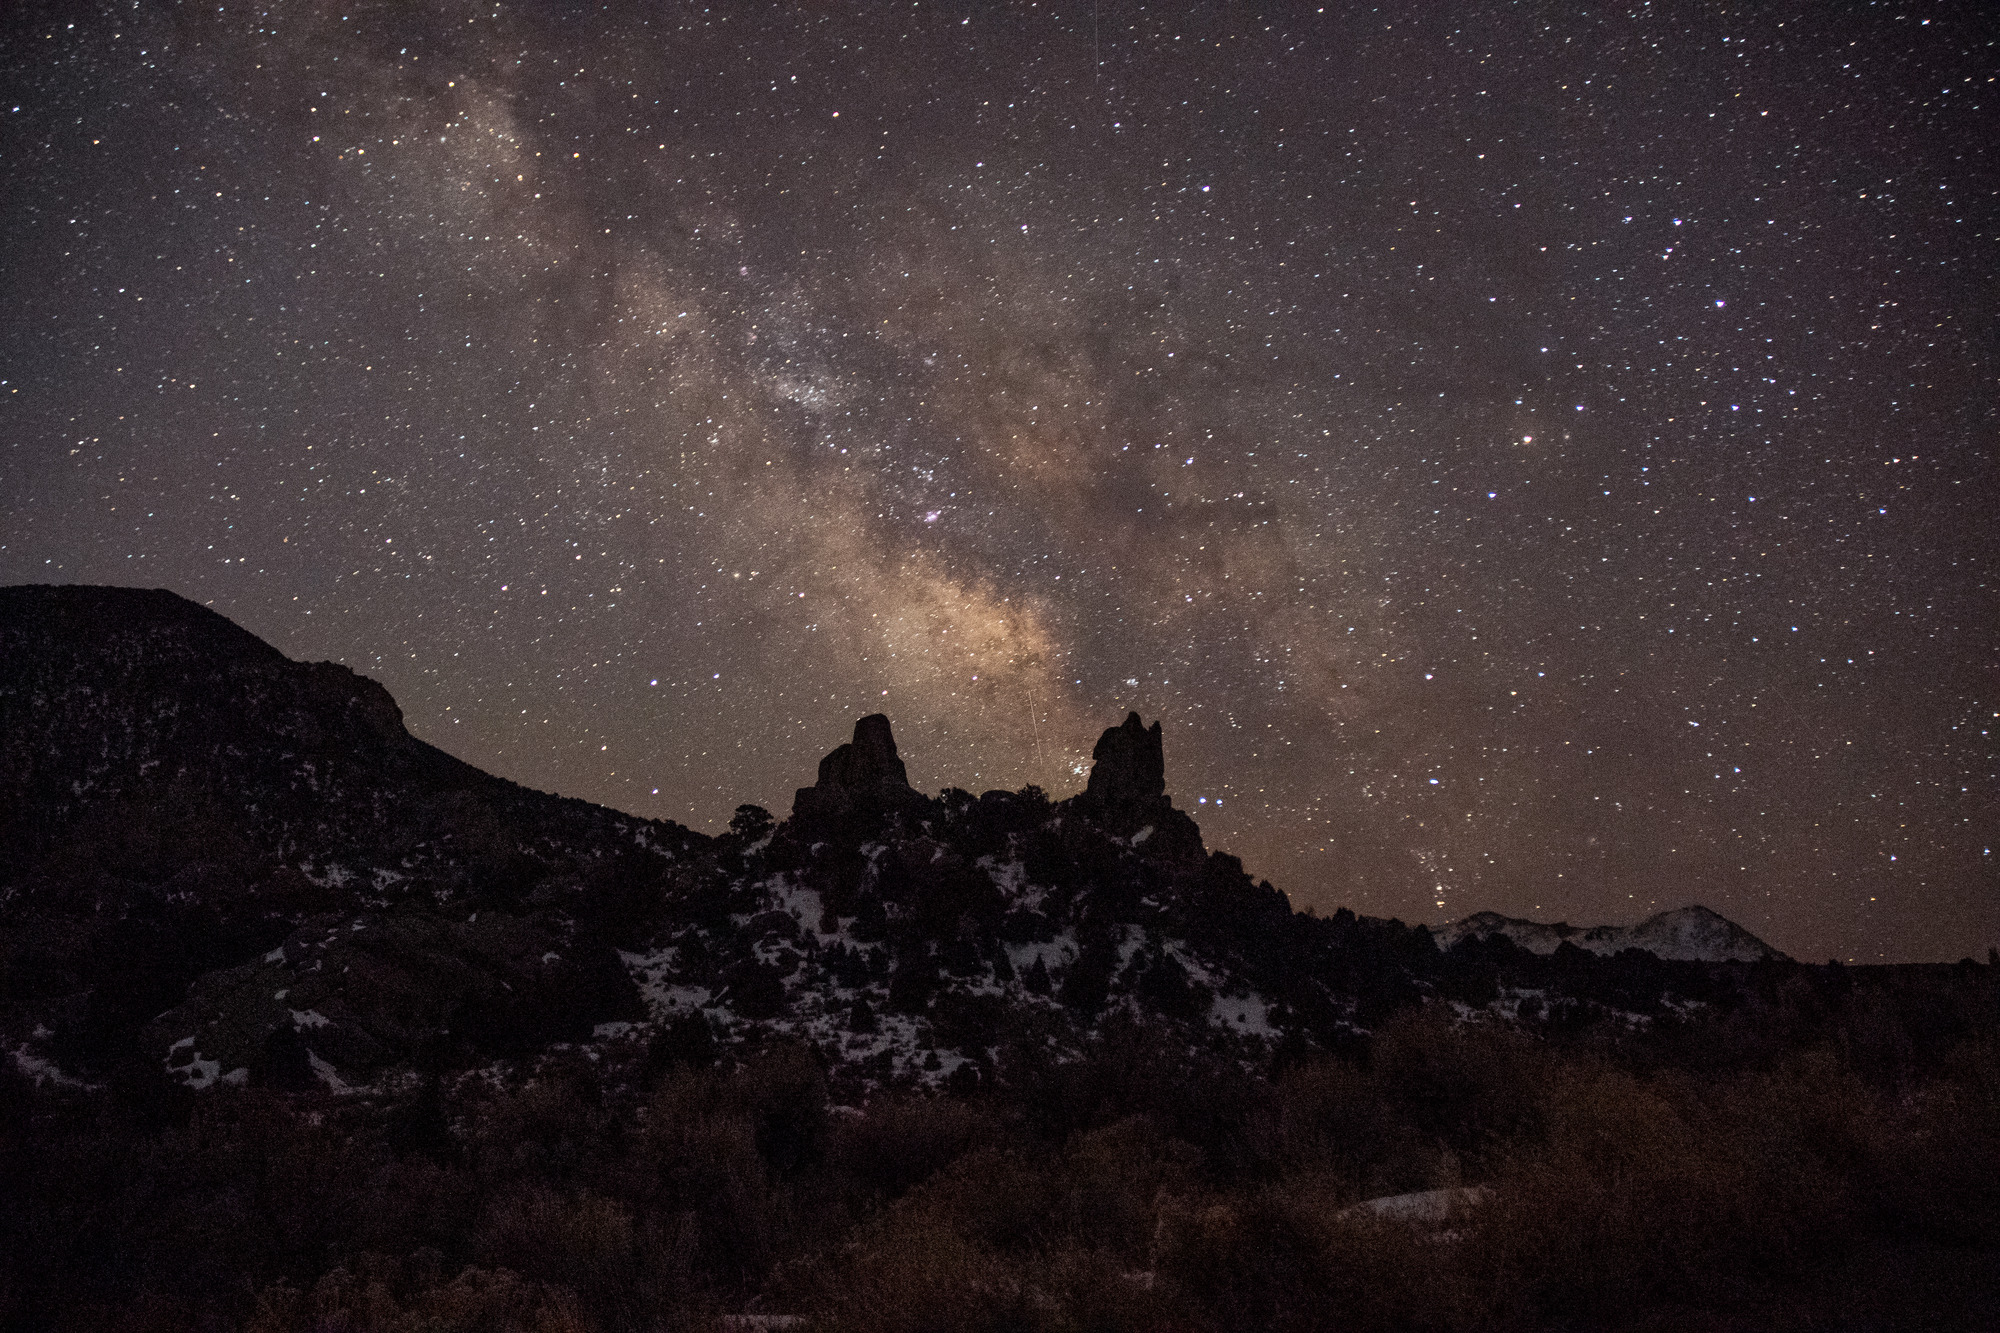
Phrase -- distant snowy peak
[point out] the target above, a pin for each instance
(1686, 934)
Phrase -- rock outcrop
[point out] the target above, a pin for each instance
(1128, 763)
(868, 761)
(863, 777)
(1127, 792)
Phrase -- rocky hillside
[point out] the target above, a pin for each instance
(220, 865)
(182, 808)
(936, 938)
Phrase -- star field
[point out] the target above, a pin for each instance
(1533, 461)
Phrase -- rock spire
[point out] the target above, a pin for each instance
(1128, 763)
(865, 772)
(867, 761)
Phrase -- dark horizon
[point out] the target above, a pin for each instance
(1535, 467)
(787, 809)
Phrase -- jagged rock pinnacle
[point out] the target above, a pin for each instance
(867, 761)
(1128, 763)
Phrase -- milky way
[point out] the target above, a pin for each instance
(1531, 459)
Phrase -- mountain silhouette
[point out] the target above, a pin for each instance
(221, 865)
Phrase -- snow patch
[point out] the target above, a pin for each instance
(334, 876)
(1058, 952)
(200, 1073)
(1421, 1206)
(328, 1075)
(1247, 1014)
(44, 1071)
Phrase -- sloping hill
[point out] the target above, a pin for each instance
(177, 799)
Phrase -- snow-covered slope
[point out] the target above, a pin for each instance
(1686, 934)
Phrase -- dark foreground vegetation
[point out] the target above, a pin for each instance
(1824, 1156)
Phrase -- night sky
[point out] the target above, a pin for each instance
(1536, 458)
